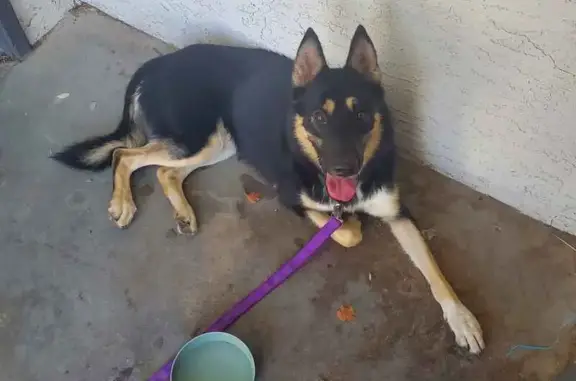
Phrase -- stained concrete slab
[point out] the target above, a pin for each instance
(83, 301)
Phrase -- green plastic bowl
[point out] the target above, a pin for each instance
(214, 356)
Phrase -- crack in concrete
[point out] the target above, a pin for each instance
(400, 78)
(487, 53)
(534, 45)
(262, 31)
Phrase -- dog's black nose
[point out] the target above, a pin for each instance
(343, 171)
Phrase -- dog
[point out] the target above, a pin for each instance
(322, 136)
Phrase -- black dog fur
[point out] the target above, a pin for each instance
(183, 94)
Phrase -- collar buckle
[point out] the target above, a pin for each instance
(338, 211)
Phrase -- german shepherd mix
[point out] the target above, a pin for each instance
(322, 136)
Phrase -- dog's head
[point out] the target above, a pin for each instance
(337, 122)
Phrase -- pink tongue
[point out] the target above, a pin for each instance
(341, 188)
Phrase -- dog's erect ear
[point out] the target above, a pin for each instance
(362, 56)
(309, 60)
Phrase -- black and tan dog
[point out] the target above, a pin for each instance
(322, 136)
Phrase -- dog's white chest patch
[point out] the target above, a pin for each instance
(384, 204)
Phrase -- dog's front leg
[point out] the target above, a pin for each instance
(386, 206)
(347, 235)
(464, 325)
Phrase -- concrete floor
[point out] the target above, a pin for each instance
(83, 301)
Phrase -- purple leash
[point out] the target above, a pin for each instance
(259, 293)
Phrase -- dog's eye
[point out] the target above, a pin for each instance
(362, 116)
(318, 118)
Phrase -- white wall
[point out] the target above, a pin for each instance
(483, 92)
(38, 17)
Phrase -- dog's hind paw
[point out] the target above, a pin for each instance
(466, 328)
(121, 212)
(186, 225)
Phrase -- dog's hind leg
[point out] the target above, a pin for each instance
(171, 180)
(219, 146)
(124, 162)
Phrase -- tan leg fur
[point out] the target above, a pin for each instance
(171, 175)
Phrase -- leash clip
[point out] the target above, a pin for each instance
(338, 211)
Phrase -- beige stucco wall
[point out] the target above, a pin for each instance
(483, 91)
(38, 17)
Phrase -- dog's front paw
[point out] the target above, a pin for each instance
(466, 328)
(349, 234)
(121, 212)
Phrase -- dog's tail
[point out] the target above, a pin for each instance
(95, 154)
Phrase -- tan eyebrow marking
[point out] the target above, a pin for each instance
(350, 102)
(374, 138)
(302, 137)
(329, 106)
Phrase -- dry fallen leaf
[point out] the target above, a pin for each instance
(346, 313)
(253, 197)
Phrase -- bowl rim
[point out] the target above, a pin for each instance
(212, 337)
